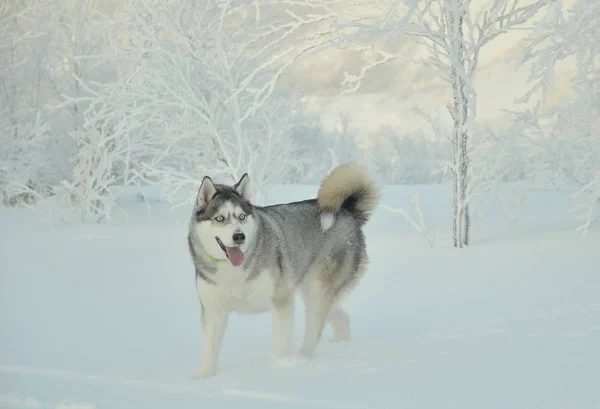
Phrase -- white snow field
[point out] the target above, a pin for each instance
(94, 316)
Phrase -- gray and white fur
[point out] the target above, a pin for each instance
(252, 259)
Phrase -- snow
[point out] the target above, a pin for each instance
(12, 400)
(97, 316)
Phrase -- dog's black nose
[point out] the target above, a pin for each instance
(238, 238)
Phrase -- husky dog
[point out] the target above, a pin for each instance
(252, 259)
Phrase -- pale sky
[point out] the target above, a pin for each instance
(389, 94)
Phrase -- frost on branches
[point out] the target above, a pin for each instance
(23, 129)
(46, 51)
(564, 140)
(184, 102)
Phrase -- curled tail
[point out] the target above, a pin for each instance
(347, 187)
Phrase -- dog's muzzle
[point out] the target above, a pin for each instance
(234, 254)
(221, 245)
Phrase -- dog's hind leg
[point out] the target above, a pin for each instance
(339, 320)
(323, 289)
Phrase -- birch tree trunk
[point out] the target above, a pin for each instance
(460, 135)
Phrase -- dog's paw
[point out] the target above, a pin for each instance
(205, 373)
(285, 362)
(339, 339)
(304, 361)
(306, 354)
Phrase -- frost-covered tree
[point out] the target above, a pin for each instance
(453, 32)
(563, 141)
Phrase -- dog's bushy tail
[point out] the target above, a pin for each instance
(347, 187)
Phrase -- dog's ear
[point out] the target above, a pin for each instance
(243, 187)
(206, 193)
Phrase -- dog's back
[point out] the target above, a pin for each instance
(293, 232)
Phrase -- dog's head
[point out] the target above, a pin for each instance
(223, 219)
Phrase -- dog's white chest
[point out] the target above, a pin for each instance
(235, 292)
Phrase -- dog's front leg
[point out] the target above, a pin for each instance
(283, 327)
(214, 322)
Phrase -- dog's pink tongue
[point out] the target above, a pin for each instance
(235, 256)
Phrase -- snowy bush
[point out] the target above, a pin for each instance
(23, 160)
(407, 159)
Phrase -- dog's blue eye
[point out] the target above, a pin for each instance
(220, 219)
(242, 216)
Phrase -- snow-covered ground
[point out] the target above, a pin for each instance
(106, 317)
